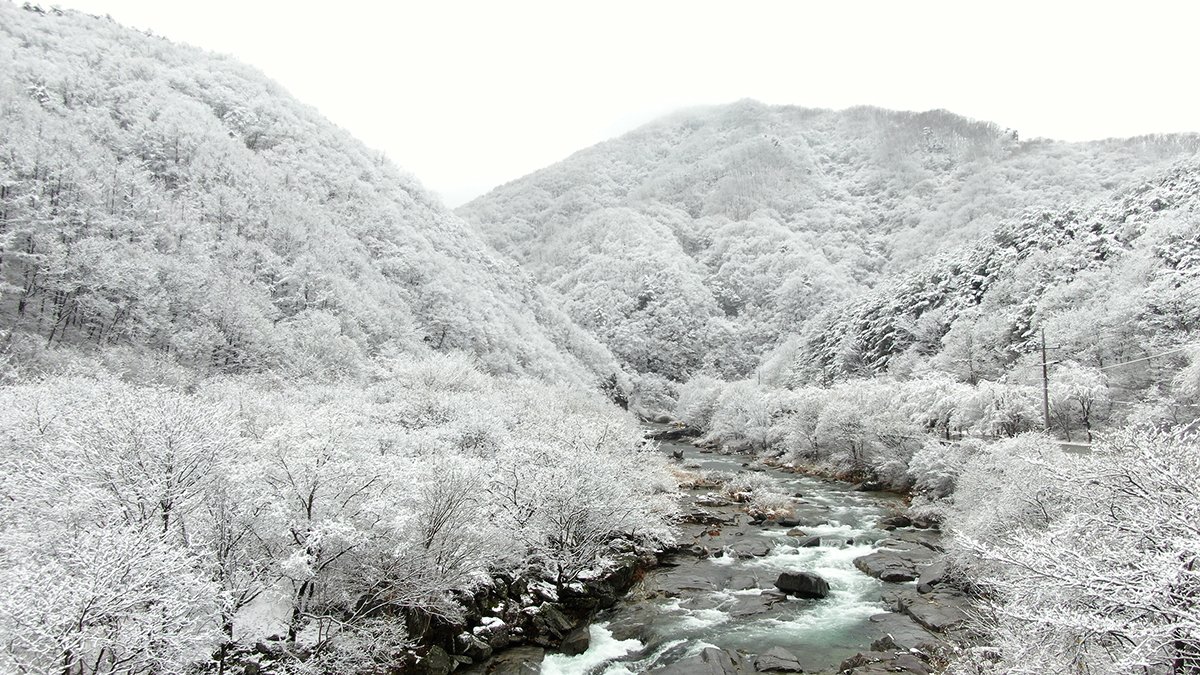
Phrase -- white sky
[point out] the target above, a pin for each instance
(468, 95)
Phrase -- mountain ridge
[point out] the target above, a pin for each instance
(776, 203)
(125, 162)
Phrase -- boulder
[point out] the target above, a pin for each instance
(472, 646)
(548, 624)
(711, 661)
(931, 575)
(902, 633)
(741, 582)
(768, 604)
(750, 549)
(802, 585)
(672, 433)
(940, 610)
(516, 661)
(896, 566)
(437, 661)
(702, 517)
(577, 641)
(862, 659)
(778, 659)
(809, 542)
(893, 521)
(869, 486)
(930, 539)
(675, 585)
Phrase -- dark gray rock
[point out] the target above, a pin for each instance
(900, 632)
(711, 661)
(778, 660)
(702, 517)
(672, 433)
(437, 661)
(894, 565)
(674, 585)
(577, 641)
(802, 585)
(750, 549)
(809, 542)
(941, 610)
(863, 659)
(931, 575)
(893, 521)
(930, 539)
(908, 663)
(515, 661)
(548, 625)
(768, 604)
(472, 647)
(742, 582)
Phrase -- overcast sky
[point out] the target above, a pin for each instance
(469, 95)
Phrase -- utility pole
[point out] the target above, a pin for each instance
(1045, 385)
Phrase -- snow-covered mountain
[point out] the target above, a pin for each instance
(697, 241)
(163, 197)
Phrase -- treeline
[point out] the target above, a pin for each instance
(892, 431)
(151, 528)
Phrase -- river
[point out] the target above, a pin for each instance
(727, 601)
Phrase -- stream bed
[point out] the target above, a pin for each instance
(718, 590)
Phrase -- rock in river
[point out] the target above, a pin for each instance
(802, 585)
(778, 660)
(577, 641)
(896, 565)
(711, 661)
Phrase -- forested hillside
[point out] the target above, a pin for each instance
(1107, 284)
(159, 197)
(266, 405)
(696, 243)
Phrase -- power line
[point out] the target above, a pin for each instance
(1152, 356)
(1189, 405)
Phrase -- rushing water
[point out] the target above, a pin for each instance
(692, 602)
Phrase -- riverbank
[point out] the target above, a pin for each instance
(714, 606)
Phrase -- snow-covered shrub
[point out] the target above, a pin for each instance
(1089, 562)
(697, 402)
(652, 395)
(935, 468)
(741, 416)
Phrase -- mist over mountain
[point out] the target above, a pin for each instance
(714, 231)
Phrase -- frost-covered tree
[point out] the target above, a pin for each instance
(1090, 561)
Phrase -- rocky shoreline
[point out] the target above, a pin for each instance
(925, 611)
(511, 622)
(509, 625)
